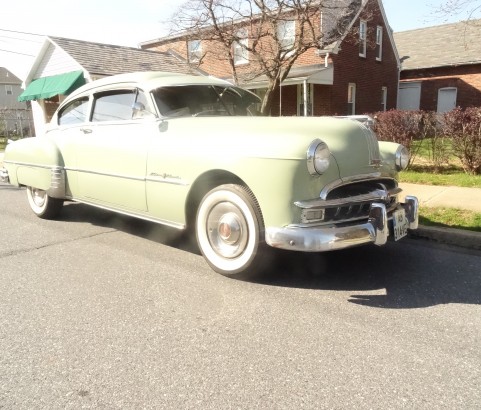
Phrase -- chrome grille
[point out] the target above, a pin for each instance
(350, 202)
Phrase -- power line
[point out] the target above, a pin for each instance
(16, 52)
(23, 32)
(20, 38)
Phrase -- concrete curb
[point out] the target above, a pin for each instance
(448, 236)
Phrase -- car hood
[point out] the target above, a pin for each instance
(352, 144)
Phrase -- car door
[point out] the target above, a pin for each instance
(112, 151)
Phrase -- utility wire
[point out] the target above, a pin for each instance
(23, 32)
(16, 52)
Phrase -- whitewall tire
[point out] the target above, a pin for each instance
(230, 231)
(43, 205)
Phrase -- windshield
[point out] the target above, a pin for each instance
(204, 100)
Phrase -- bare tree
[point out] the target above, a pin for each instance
(466, 9)
(263, 31)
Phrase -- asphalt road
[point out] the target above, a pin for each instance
(101, 311)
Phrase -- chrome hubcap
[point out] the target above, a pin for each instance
(38, 197)
(227, 230)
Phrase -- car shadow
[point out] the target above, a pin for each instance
(77, 212)
(414, 273)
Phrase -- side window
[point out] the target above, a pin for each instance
(286, 32)
(362, 38)
(379, 43)
(113, 106)
(74, 113)
(194, 51)
(351, 99)
(383, 98)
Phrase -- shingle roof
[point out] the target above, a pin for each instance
(7, 77)
(107, 59)
(439, 46)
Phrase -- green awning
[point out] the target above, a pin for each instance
(46, 87)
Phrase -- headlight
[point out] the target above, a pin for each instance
(318, 157)
(402, 158)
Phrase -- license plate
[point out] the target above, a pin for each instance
(400, 223)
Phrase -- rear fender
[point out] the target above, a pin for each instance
(36, 162)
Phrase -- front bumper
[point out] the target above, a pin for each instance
(320, 239)
(4, 175)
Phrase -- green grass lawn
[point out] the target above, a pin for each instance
(422, 171)
(450, 217)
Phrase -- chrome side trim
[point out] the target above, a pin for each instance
(167, 179)
(57, 183)
(175, 225)
(105, 174)
(28, 164)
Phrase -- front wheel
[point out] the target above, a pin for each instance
(230, 231)
(42, 205)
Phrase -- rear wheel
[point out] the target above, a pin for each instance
(230, 231)
(43, 205)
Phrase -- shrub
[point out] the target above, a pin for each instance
(404, 127)
(463, 126)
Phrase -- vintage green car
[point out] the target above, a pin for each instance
(189, 152)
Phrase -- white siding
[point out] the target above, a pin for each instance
(56, 61)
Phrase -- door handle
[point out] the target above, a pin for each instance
(86, 130)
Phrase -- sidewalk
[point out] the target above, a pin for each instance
(444, 196)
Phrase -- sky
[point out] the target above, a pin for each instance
(130, 22)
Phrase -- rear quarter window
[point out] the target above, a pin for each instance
(75, 112)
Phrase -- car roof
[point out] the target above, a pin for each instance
(147, 80)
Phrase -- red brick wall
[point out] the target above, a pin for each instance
(367, 73)
(467, 79)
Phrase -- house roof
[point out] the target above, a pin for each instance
(7, 77)
(440, 46)
(107, 59)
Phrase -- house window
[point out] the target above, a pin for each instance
(383, 98)
(8, 90)
(447, 99)
(286, 32)
(194, 50)
(379, 43)
(241, 56)
(351, 99)
(362, 38)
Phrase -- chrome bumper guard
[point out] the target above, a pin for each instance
(320, 239)
(4, 175)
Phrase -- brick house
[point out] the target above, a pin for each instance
(357, 74)
(441, 67)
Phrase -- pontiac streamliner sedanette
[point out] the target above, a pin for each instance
(189, 152)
